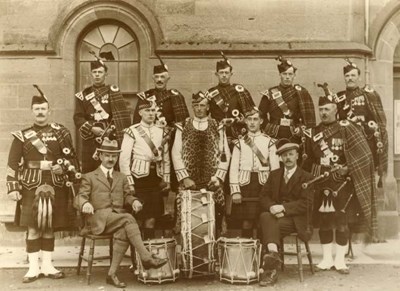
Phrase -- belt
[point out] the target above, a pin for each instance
(147, 158)
(42, 165)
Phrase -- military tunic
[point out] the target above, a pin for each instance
(285, 108)
(248, 173)
(29, 167)
(98, 106)
(146, 166)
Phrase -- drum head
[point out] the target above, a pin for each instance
(159, 241)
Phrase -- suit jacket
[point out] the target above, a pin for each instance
(297, 209)
(105, 199)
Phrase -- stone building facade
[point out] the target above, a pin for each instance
(45, 42)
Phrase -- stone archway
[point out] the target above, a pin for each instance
(384, 40)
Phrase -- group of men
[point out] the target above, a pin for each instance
(269, 167)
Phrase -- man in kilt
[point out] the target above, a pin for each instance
(253, 157)
(341, 161)
(286, 108)
(103, 196)
(364, 107)
(228, 101)
(145, 161)
(286, 208)
(201, 154)
(41, 161)
(99, 109)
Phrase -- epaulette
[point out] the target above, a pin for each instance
(129, 132)
(368, 89)
(210, 94)
(135, 125)
(79, 95)
(265, 93)
(344, 122)
(220, 126)
(272, 142)
(239, 88)
(141, 95)
(236, 143)
(114, 88)
(179, 126)
(175, 92)
(298, 87)
(56, 126)
(308, 132)
(18, 134)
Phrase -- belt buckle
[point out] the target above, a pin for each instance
(285, 122)
(45, 165)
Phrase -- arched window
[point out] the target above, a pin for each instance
(117, 44)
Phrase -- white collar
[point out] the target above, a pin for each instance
(144, 124)
(254, 134)
(290, 172)
(105, 170)
(197, 119)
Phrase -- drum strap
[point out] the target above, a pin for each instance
(31, 135)
(147, 139)
(218, 99)
(100, 112)
(255, 150)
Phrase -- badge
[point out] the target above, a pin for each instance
(79, 95)
(297, 87)
(104, 98)
(173, 91)
(114, 88)
(276, 95)
(89, 96)
(368, 89)
(55, 126)
(212, 94)
(318, 136)
(239, 88)
(325, 161)
(141, 95)
(344, 122)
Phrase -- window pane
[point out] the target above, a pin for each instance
(84, 77)
(109, 48)
(108, 32)
(94, 38)
(123, 38)
(112, 76)
(128, 52)
(129, 78)
(85, 48)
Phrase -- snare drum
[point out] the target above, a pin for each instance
(198, 233)
(163, 248)
(239, 260)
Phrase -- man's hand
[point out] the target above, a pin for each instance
(14, 195)
(214, 183)
(132, 190)
(274, 209)
(236, 198)
(88, 208)
(166, 187)
(97, 131)
(343, 171)
(57, 169)
(189, 184)
(137, 206)
(279, 215)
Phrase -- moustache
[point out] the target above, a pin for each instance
(159, 83)
(40, 115)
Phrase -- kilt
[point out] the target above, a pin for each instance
(148, 190)
(249, 210)
(61, 211)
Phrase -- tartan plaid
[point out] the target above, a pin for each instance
(305, 103)
(179, 110)
(361, 169)
(231, 96)
(120, 114)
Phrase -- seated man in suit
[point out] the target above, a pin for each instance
(102, 195)
(286, 208)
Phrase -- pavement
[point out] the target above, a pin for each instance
(374, 267)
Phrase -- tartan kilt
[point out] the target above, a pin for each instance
(88, 163)
(61, 211)
(248, 210)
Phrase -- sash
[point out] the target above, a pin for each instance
(328, 154)
(256, 150)
(100, 113)
(276, 95)
(147, 139)
(218, 99)
(30, 135)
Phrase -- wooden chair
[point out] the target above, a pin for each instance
(90, 257)
(299, 255)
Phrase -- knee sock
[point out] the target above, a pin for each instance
(326, 236)
(133, 234)
(119, 249)
(342, 237)
(33, 245)
(47, 244)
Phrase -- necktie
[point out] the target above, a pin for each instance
(286, 176)
(110, 180)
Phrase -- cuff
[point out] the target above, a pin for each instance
(13, 186)
(181, 174)
(235, 188)
(167, 178)
(85, 131)
(221, 174)
(130, 180)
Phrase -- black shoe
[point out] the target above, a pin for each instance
(154, 263)
(58, 275)
(271, 261)
(268, 278)
(30, 279)
(113, 280)
(344, 271)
